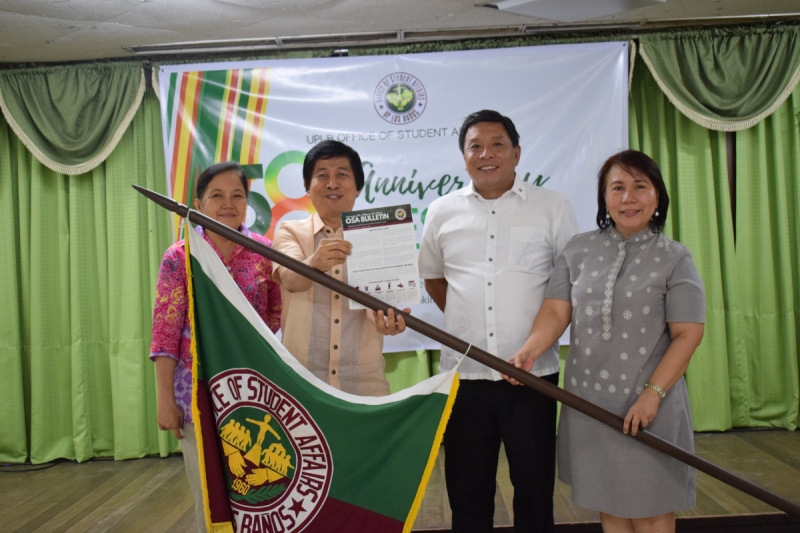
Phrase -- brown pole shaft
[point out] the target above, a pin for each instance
(504, 367)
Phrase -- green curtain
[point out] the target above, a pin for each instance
(71, 117)
(693, 162)
(78, 272)
(405, 369)
(745, 373)
(768, 264)
(725, 79)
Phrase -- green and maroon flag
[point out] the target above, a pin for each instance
(283, 452)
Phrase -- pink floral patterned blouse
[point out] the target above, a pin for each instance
(171, 329)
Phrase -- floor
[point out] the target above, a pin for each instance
(152, 494)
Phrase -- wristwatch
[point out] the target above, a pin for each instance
(661, 392)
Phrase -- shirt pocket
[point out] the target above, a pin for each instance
(528, 247)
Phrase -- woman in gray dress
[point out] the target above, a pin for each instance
(637, 308)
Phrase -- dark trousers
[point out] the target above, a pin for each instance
(484, 413)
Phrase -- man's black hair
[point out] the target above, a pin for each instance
(488, 115)
(329, 150)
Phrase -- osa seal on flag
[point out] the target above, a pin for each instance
(400, 98)
(281, 451)
(278, 463)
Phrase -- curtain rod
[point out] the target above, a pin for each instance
(340, 40)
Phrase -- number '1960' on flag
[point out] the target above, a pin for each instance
(283, 452)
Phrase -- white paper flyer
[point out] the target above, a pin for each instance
(383, 262)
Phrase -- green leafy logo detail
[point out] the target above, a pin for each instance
(400, 96)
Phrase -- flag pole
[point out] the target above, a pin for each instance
(473, 352)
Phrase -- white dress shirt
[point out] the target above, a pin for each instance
(497, 256)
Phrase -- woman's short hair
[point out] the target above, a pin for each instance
(487, 115)
(329, 150)
(636, 164)
(215, 170)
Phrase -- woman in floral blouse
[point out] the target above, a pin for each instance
(222, 195)
(636, 305)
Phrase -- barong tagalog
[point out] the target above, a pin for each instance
(383, 262)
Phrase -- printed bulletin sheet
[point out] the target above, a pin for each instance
(383, 262)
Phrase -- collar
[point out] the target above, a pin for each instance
(318, 225)
(242, 229)
(238, 248)
(517, 188)
(644, 235)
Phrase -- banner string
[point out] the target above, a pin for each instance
(463, 356)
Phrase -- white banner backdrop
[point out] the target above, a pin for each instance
(402, 114)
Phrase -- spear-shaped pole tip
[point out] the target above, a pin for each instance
(164, 201)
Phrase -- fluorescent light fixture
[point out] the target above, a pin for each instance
(571, 10)
(267, 43)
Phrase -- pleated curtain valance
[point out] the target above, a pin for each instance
(71, 117)
(725, 79)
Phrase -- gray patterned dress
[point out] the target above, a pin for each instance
(623, 294)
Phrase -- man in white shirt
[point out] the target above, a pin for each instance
(486, 255)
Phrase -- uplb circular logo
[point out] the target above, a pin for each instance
(278, 464)
(400, 98)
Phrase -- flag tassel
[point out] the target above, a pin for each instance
(212, 527)
(426, 476)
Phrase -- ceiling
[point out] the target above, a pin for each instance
(76, 30)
